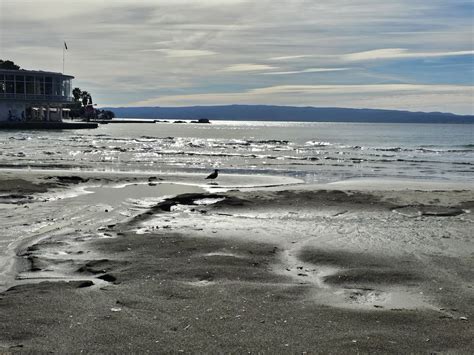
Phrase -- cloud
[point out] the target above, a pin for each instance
(399, 53)
(128, 51)
(309, 70)
(377, 54)
(356, 89)
(197, 2)
(182, 53)
(291, 57)
(248, 67)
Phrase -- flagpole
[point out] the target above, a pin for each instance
(64, 50)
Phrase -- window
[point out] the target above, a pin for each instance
(48, 85)
(2, 84)
(20, 84)
(30, 85)
(10, 87)
(39, 85)
(66, 88)
(57, 86)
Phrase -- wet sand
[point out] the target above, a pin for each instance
(235, 267)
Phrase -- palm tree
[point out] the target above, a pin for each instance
(77, 93)
(85, 98)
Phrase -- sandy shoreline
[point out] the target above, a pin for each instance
(240, 266)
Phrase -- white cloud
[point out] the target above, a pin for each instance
(356, 89)
(291, 57)
(182, 53)
(248, 67)
(377, 54)
(396, 53)
(309, 70)
(193, 2)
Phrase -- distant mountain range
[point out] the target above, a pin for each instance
(287, 113)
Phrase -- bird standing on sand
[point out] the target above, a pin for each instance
(213, 175)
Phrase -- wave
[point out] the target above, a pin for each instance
(395, 149)
(317, 144)
(440, 151)
(428, 149)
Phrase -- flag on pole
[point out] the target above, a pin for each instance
(65, 45)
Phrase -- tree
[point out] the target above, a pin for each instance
(82, 97)
(85, 98)
(76, 92)
(8, 65)
(82, 105)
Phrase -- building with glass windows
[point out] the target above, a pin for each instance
(34, 96)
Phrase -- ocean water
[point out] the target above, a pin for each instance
(314, 152)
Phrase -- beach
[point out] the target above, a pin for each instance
(123, 262)
(236, 177)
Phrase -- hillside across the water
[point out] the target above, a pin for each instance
(288, 113)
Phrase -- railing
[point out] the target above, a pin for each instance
(28, 97)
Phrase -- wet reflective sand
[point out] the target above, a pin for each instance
(243, 262)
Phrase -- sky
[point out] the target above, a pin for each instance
(412, 55)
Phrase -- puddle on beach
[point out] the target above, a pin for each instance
(81, 214)
(115, 195)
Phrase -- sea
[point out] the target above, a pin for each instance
(313, 152)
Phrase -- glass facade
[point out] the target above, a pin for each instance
(35, 86)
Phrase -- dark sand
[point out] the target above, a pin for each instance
(256, 271)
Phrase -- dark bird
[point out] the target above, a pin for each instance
(213, 175)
